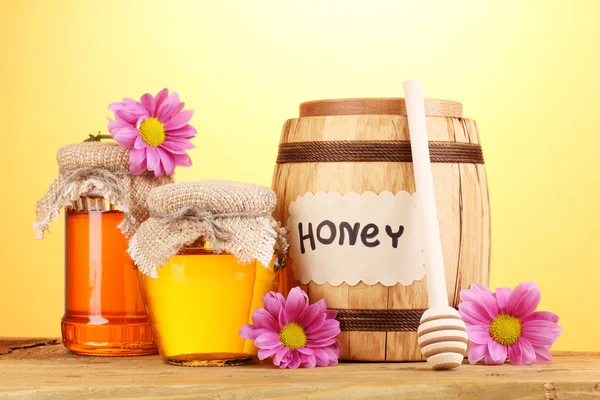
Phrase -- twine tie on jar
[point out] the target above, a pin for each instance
(210, 220)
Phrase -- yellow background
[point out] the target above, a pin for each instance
(526, 71)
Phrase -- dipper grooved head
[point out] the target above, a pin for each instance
(443, 337)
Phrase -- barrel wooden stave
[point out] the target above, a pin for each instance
(462, 201)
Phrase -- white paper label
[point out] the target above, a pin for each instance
(356, 237)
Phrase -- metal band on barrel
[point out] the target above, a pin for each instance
(375, 151)
(379, 320)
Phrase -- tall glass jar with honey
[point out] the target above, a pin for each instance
(208, 254)
(104, 309)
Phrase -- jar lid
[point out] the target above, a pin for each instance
(104, 168)
(234, 217)
(217, 197)
(109, 155)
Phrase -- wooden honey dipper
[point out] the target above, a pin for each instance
(442, 334)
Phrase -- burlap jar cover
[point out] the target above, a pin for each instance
(100, 166)
(232, 217)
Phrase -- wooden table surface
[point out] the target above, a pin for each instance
(44, 369)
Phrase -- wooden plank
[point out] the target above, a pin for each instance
(10, 345)
(48, 371)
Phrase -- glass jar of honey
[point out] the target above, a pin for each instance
(199, 302)
(198, 295)
(104, 309)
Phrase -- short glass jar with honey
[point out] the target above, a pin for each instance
(207, 256)
(199, 302)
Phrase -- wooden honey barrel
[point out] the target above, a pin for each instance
(338, 152)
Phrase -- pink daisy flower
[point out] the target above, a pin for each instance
(296, 333)
(156, 130)
(505, 324)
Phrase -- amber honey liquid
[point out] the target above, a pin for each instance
(198, 304)
(104, 308)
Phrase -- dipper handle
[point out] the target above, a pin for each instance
(434, 261)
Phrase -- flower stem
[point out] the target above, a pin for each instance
(97, 138)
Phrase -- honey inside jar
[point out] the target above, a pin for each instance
(199, 302)
(104, 308)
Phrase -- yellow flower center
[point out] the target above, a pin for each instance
(292, 336)
(505, 329)
(152, 132)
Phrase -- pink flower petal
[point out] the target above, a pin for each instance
(473, 313)
(281, 353)
(479, 334)
(316, 324)
(497, 351)
(130, 114)
(489, 303)
(490, 361)
(167, 109)
(179, 120)
(542, 355)
(186, 132)
(524, 300)
(287, 359)
(311, 312)
(521, 353)
(120, 128)
(515, 354)
(115, 106)
(183, 160)
(332, 354)
(310, 363)
(177, 145)
(331, 314)
(152, 158)
(294, 306)
(125, 135)
(305, 351)
(112, 124)
(528, 351)
(330, 328)
(307, 356)
(471, 294)
(263, 319)
(541, 332)
(322, 357)
(312, 343)
(266, 353)
(247, 332)
(159, 98)
(273, 303)
(137, 157)
(477, 352)
(140, 144)
(148, 103)
(542, 315)
(295, 363)
(267, 340)
(502, 296)
(166, 160)
(468, 295)
(138, 168)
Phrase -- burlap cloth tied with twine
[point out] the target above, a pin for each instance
(103, 166)
(232, 217)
